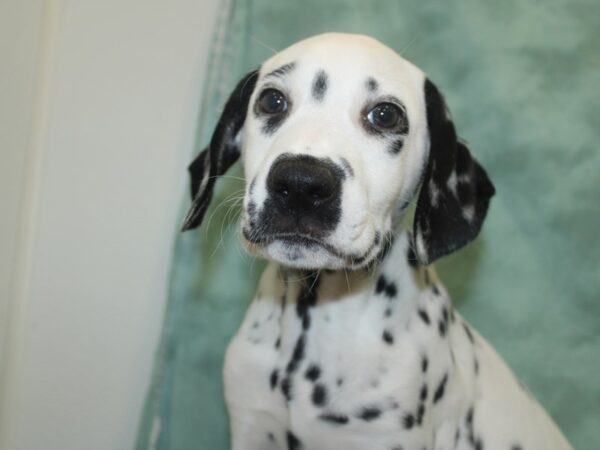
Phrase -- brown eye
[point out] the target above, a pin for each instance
(271, 102)
(386, 117)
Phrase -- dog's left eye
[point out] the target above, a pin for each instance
(272, 101)
(386, 116)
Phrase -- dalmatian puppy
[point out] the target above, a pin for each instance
(356, 183)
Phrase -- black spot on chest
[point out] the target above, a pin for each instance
(293, 442)
(439, 391)
(319, 395)
(369, 414)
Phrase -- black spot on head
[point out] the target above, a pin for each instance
(435, 289)
(424, 316)
(408, 421)
(439, 392)
(313, 372)
(347, 167)
(319, 87)
(372, 84)
(388, 337)
(319, 395)
(274, 378)
(369, 413)
(338, 419)
(424, 364)
(293, 442)
(272, 123)
(396, 146)
(423, 393)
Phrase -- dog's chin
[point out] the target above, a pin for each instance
(304, 252)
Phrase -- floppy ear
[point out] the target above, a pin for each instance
(455, 190)
(221, 153)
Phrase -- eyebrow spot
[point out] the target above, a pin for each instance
(372, 84)
(281, 71)
(320, 85)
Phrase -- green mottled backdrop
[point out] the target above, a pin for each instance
(522, 78)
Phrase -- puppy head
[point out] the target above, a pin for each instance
(338, 135)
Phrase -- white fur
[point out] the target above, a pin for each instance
(354, 318)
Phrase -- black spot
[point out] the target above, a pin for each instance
(476, 366)
(439, 392)
(456, 436)
(388, 338)
(469, 417)
(420, 414)
(369, 413)
(271, 437)
(478, 444)
(278, 342)
(445, 314)
(255, 324)
(319, 395)
(381, 284)
(424, 364)
(319, 87)
(313, 372)
(286, 388)
(409, 421)
(251, 212)
(339, 381)
(516, 447)
(347, 167)
(442, 328)
(424, 316)
(435, 289)
(396, 146)
(372, 84)
(423, 393)
(468, 332)
(297, 355)
(387, 312)
(391, 290)
(338, 419)
(293, 442)
(274, 378)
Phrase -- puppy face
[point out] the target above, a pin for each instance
(333, 145)
(338, 134)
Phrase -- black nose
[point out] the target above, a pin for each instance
(303, 183)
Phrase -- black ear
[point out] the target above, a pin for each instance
(455, 190)
(222, 152)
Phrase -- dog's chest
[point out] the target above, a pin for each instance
(316, 359)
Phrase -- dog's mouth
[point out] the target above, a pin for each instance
(297, 249)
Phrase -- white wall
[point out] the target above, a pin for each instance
(98, 109)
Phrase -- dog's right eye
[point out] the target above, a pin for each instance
(271, 101)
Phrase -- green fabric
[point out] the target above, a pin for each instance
(522, 79)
